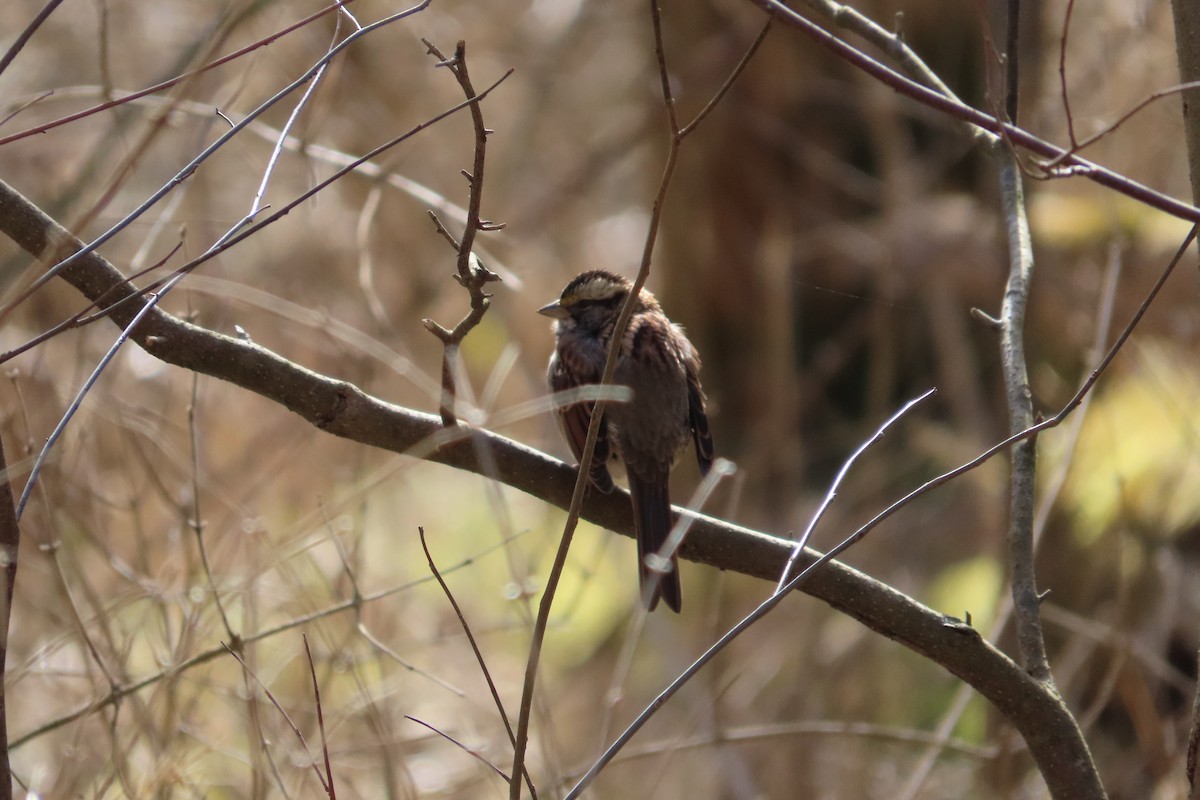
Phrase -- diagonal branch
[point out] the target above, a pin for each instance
(1072, 164)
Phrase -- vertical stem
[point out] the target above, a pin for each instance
(1012, 61)
(9, 541)
(1030, 641)
(1187, 51)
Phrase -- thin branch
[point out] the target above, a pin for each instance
(817, 729)
(167, 84)
(483, 667)
(1062, 75)
(147, 307)
(940, 101)
(10, 541)
(26, 35)
(312, 670)
(831, 493)
(196, 521)
(729, 81)
(285, 715)
(473, 753)
(82, 317)
(1121, 120)
(1012, 61)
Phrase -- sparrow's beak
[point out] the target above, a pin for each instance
(555, 310)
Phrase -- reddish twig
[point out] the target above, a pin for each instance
(312, 670)
(1074, 165)
(27, 34)
(10, 540)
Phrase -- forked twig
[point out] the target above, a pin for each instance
(831, 493)
(472, 275)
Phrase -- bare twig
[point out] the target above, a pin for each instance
(196, 519)
(312, 670)
(472, 275)
(150, 304)
(831, 493)
(286, 716)
(473, 753)
(23, 39)
(80, 318)
(805, 729)
(1012, 61)
(1062, 74)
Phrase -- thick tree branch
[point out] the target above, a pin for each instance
(344, 410)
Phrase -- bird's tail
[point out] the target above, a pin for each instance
(652, 521)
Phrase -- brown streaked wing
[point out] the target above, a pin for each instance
(698, 419)
(575, 419)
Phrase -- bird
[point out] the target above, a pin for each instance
(647, 433)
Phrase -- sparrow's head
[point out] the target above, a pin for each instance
(594, 298)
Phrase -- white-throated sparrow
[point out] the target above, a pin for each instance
(661, 367)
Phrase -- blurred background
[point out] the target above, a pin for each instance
(824, 241)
